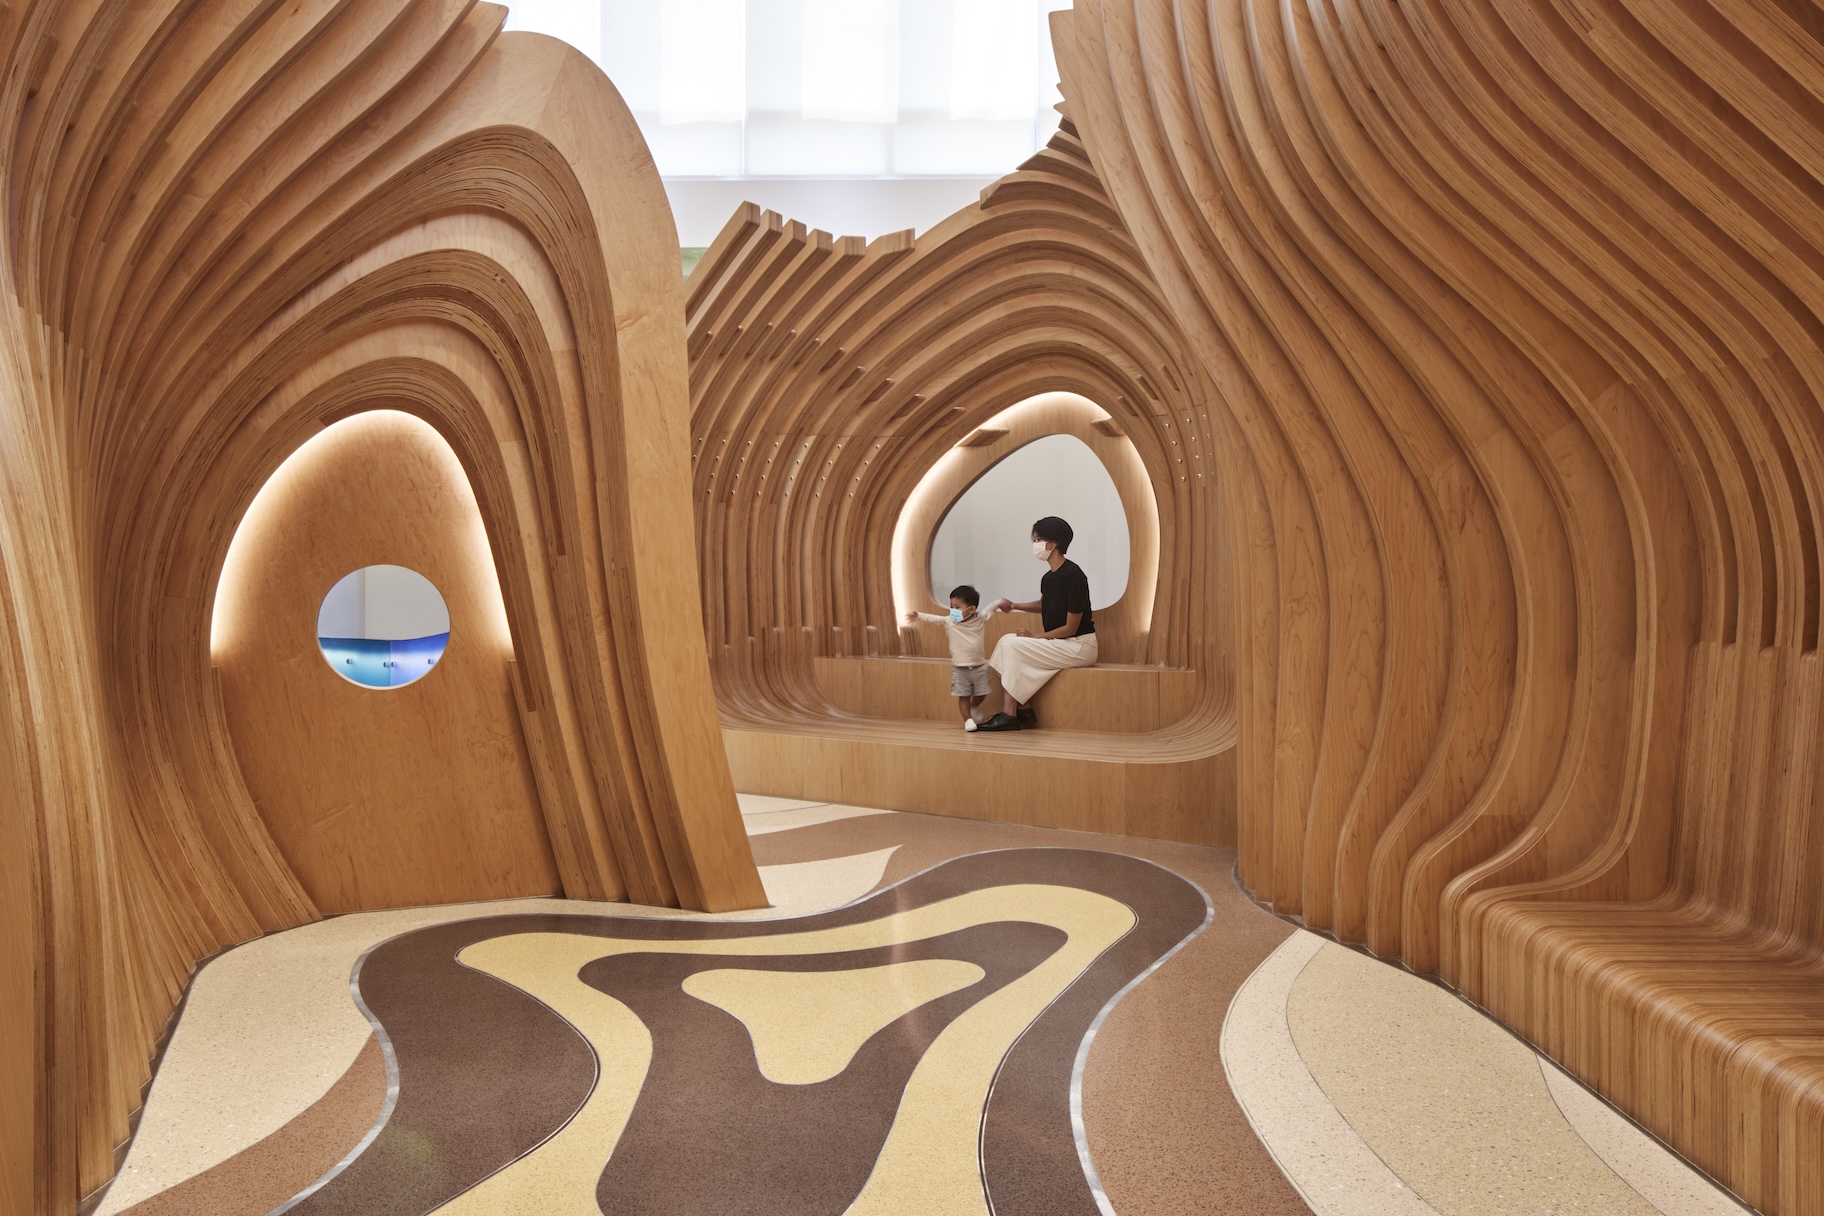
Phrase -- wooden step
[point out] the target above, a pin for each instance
(1114, 698)
(1164, 785)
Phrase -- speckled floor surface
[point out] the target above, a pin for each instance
(937, 1016)
(1377, 1091)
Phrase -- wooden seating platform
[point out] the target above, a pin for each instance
(1173, 784)
(1115, 698)
(1702, 1026)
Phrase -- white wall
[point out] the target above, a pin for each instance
(986, 538)
(865, 207)
(383, 603)
(344, 610)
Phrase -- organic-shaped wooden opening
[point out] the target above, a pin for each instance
(969, 518)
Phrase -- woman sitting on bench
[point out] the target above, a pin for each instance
(1026, 661)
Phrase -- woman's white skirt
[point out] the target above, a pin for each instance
(1026, 664)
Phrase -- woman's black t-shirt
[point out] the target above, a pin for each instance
(1062, 592)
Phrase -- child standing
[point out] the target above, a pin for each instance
(968, 663)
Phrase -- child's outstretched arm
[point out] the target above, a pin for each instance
(927, 617)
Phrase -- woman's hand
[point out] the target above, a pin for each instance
(1022, 633)
(1003, 605)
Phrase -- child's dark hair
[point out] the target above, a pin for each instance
(1056, 531)
(969, 595)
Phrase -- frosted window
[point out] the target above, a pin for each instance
(703, 61)
(986, 538)
(822, 88)
(851, 60)
(994, 60)
(578, 22)
(383, 626)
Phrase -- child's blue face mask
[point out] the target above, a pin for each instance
(956, 614)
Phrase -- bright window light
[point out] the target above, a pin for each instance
(994, 59)
(822, 88)
(702, 61)
(851, 60)
(578, 22)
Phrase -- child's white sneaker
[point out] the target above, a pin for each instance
(969, 724)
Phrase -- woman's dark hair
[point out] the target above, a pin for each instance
(1056, 531)
(969, 595)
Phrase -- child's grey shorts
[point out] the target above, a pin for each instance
(969, 681)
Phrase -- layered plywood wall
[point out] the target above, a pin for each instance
(1513, 311)
(1500, 323)
(229, 223)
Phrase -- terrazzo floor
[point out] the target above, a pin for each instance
(936, 1016)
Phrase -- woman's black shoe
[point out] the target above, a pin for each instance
(1028, 719)
(999, 722)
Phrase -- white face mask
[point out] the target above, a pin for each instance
(1041, 550)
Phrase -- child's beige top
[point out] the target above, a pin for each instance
(966, 639)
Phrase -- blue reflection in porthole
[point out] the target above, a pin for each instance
(383, 626)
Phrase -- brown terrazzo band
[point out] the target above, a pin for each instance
(485, 1074)
(1165, 1132)
(265, 1175)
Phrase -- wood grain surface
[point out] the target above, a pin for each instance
(394, 797)
(1513, 309)
(230, 222)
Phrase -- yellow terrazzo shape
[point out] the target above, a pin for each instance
(807, 1025)
(270, 1026)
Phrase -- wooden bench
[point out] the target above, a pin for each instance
(1115, 698)
(1123, 748)
(1173, 784)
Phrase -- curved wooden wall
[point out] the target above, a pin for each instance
(828, 377)
(376, 798)
(1513, 310)
(230, 221)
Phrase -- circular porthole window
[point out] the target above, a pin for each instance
(383, 627)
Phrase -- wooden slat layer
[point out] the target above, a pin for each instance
(229, 223)
(1515, 308)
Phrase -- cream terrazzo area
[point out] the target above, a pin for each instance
(1460, 1117)
(268, 1027)
(1331, 1167)
(767, 804)
(764, 823)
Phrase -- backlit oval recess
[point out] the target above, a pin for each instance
(383, 626)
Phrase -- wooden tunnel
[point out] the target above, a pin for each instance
(830, 377)
(1492, 327)
(1459, 362)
